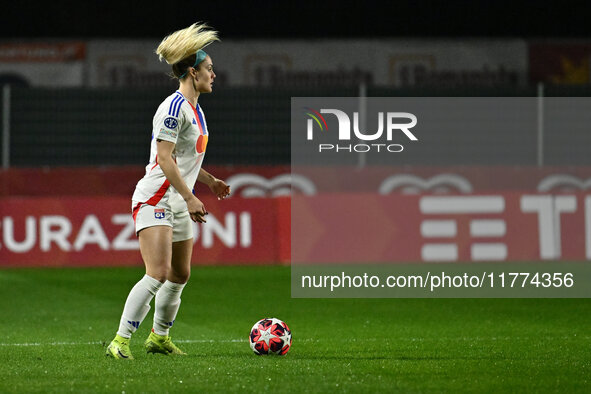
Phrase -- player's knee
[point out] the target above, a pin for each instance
(186, 277)
(160, 273)
(181, 276)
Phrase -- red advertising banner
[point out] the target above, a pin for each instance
(511, 226)
(87, 231)
(339, 228)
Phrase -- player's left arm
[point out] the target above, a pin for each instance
(217, 186)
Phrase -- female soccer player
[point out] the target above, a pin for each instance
(163, 203)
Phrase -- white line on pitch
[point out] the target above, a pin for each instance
(99, 343)
(507, 338)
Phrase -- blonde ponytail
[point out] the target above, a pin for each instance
(186, 42)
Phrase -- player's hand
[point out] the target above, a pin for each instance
(220, 189)
(196, 210)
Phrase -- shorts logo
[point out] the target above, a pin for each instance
(171, 123)
(159, 213)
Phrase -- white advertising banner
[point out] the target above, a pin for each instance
(314, 63)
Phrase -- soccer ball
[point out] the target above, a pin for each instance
(270, 336)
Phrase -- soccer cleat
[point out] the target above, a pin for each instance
(161, 344)
(119, 348)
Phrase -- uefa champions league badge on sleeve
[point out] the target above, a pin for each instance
(171, 123)
(159, 213)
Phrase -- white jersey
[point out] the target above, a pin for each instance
(177, 121)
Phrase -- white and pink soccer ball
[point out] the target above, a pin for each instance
(270, 336)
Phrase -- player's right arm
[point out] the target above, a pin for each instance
(172, 173)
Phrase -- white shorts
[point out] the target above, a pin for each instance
(149, 216)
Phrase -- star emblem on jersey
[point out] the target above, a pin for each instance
(194, 121)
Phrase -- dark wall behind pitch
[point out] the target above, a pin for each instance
(79, 127)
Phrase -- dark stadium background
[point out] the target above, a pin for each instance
(268, 20)
(300, 19)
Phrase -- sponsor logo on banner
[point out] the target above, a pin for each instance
(253, 185)
(560, 63)
(511, 226)
(412, 184)
(489, 227)
(389, 122)
(278, 70)
(487, 222)
(43, 63)
(421, 70)
(563, 182)
(98, 231)
(42, 52)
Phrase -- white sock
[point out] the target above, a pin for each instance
(137, 305)
(168, 301)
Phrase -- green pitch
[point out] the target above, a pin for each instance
(56, 322)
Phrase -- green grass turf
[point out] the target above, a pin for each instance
(363, 345)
